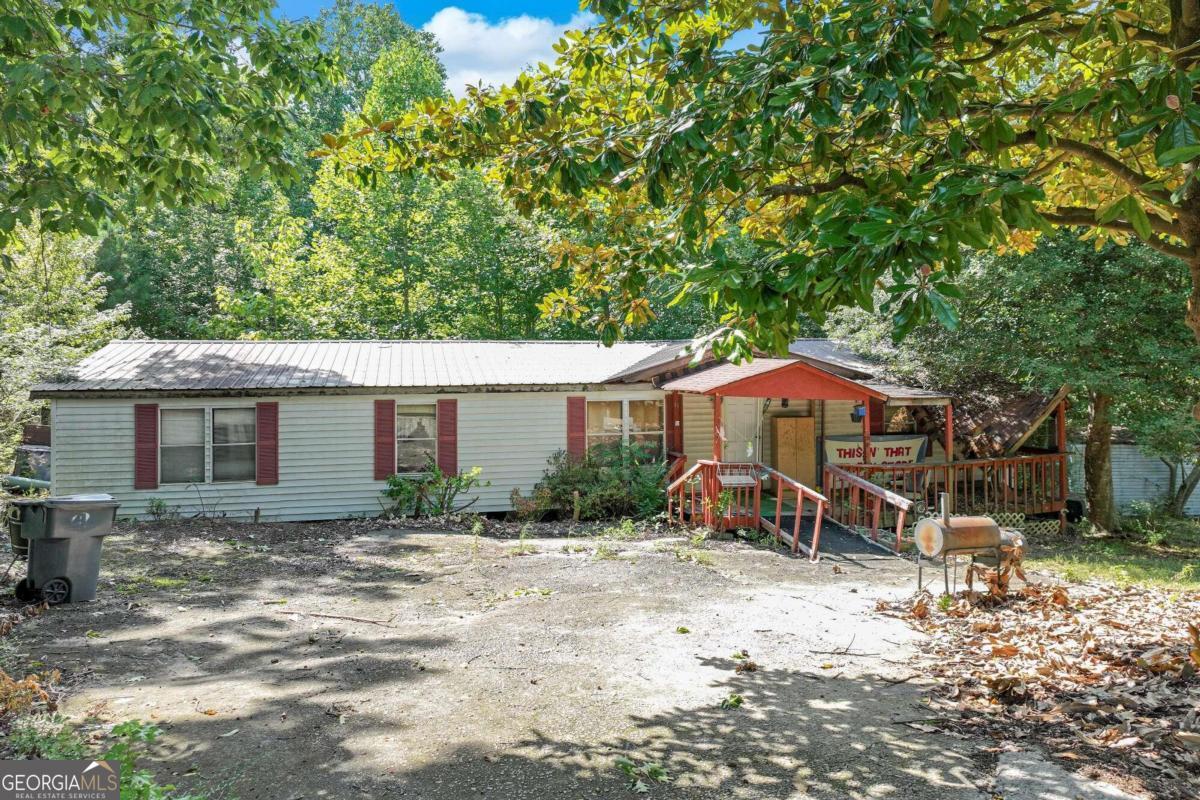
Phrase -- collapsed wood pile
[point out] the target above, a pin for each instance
(1094, 673)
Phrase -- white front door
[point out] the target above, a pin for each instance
(742, 420)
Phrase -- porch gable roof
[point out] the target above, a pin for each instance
(773, 377)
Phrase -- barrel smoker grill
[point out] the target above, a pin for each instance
(947, 537)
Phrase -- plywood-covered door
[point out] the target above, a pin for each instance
(795, 441)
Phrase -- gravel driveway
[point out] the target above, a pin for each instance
(448, 666)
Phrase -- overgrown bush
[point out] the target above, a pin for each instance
(613, 481)
(432, 493)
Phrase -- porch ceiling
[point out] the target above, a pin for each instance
(773, 377)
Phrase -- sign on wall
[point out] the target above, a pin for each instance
(887, 449)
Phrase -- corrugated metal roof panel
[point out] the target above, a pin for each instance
(153, 365)
(907, 393)
(828, 351)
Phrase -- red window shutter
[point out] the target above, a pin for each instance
(266, 449)
(145, 446)
(576, 428)
(385, 439)
(447, 436)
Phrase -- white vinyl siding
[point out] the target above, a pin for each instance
(326, 452)
(1136, 477)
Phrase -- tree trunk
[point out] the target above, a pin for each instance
(1184, 491)
(1097, 465)
(1185, 34)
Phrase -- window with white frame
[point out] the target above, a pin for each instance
(634, 422)
(181, 445)
(186, 433)
(416, 436)
(233, 444)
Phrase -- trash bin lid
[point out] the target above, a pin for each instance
(79, 499)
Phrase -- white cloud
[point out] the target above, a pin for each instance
(475, 49)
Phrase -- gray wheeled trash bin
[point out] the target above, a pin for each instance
(64, 535)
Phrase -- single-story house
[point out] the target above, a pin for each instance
(301, 430)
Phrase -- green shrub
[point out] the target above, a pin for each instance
(432, 493)
(613, 481)
(43, 736)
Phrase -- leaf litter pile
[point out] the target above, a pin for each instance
(1097, 674)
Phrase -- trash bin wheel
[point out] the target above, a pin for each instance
(56, 590)
(24, 591)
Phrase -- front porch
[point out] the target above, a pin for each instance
(783, 445)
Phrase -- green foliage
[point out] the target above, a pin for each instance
(52, 737)
(50, 318)
(159, 509)
(45, 736)
(641, 776)
(856, 143)
(187, 270)
(614, 481)
(172, 264)
(1153, 548)
(433, 492)
(138, 784)
(1103, 321)
(732, 701)
(101, 100)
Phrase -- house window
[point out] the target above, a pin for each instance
(605, 422)
(646, 427)
(233, 437)
(416, 436)
(181, 445)
(634, 422)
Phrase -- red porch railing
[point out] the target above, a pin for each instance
(855, 501)
(802, 494)
(727, 496)
(1034, 484)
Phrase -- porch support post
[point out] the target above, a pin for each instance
(1061, 426)
(948, 443)
(716, 427)
(1060, 430)
(866, 423)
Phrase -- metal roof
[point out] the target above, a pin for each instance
(136, 366)
(832, 353)
(907, 395)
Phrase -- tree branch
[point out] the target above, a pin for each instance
(1086, 217)
(1102, 158)
(811, 189)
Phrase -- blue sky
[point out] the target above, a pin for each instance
(481, 41)
(418, 12)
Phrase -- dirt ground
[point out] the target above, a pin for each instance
(450, 666)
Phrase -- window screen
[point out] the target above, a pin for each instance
(416, 437)
(181, 445)
(233, 437)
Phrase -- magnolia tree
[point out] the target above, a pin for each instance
(860, 143)
(108, 99)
